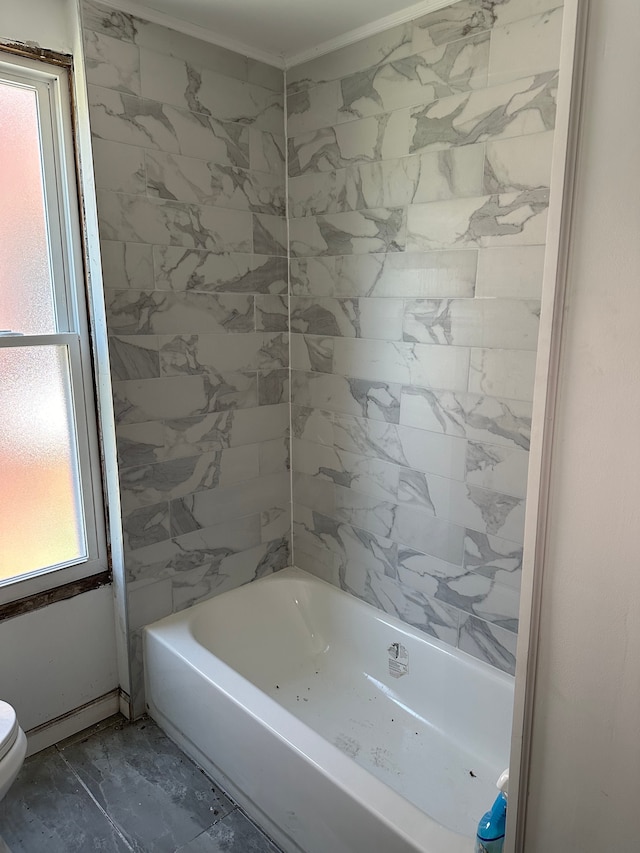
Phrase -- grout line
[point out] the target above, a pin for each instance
(286, 196)
(100, 808)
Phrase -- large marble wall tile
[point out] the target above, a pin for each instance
(157, 312)
(493, 557)
(509, 219)
(186, 179)
(358, 232)
(421, 611)
(272, 313)
(235, 428)
(275, 522)
(512, 109)
(519, 163)
(503, 469)
(200, 551)
(359, 318)
(505, 272)
(214, 506)
(368, 140)
(432, 274)
(134, 121)
(119, 167)
(265, 75)
(274, 456)
(108, 21)
(176, 478)
(417, 79)
(452, 23)
(366, 475)
(204, 54)
(502, 373)
(514, 10)
(229, 571)
(308, 540)
(463, 504)
(384, 47)
(267, 153)
(146, 526)
(312, 108)
(134, 357)
(482, 598)
(148, 601)
(147, 220)
(311, 352)
(390, 183)
(314, 494)
(430, 535)
(141, 444)
(489, 643)
(112, 63)
(528, 46)
(508, 324)
(406, 363)
(194, 354)
(313, 276)
(200, 90)
(312, 425)
(410, 448)
(270, 235)
(126, 265)
(274, 386)
(365, 398)
(482, 418)
(182, 396)
(209, 272)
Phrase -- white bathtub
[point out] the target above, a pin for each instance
(282, 691)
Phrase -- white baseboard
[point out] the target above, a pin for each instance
(71, 723)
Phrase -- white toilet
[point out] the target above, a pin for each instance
(13, 747)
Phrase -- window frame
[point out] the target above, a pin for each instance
(51, 76)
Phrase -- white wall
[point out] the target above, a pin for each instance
(45, 22)
(62, 656)
(59, 657)
(585, 774)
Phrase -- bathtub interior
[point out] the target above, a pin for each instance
(438, 735)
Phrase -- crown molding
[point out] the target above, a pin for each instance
(139, 10)
(409, 13)
(367, 30)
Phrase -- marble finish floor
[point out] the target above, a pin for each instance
(119, 787)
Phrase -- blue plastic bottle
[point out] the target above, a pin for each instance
(491, 829)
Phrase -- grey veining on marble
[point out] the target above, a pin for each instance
(356, 232)
(418, 184)
(442, 131)
(512, 109)
(190, 165)
(210, 272)
(421, 78)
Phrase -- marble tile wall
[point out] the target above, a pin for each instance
(190, 173)
(419, 165)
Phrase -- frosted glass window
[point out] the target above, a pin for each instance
(26, 294)
(51, 511)
(40, 503)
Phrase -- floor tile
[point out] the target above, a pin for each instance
(233, 834)
(150, 789)
(48, 811)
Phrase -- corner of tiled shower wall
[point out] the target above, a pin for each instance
(189, 164)
(419, 165)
